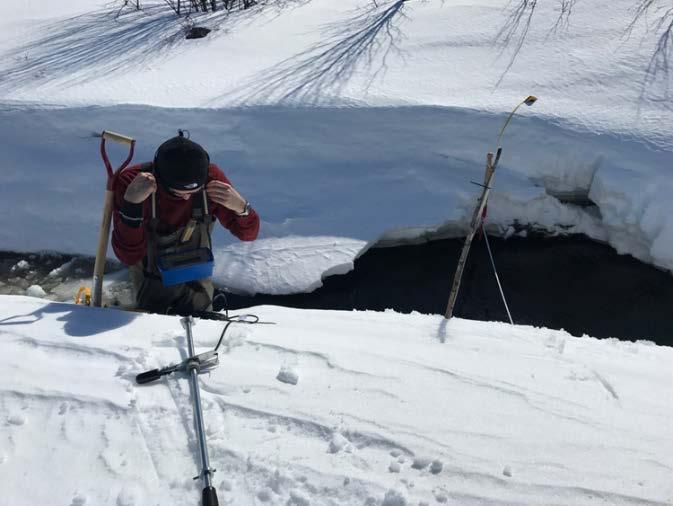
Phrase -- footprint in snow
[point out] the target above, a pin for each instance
(436, 466)
(338, 443)
(441, 497)
(394, 498)
(264, 495)
(78, 500)
(298, 498)
(127, 497)
(421, 463)
(16, 420)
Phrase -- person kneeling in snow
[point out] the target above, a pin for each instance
(164, 209)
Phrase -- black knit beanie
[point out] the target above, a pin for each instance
(181, 164)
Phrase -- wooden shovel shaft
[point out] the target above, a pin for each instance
(101, 251)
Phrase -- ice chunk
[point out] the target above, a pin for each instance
(288, 375)
(21, 265)
(35, 291)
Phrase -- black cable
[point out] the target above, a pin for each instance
(236, 319)
(226, 303)
(219, 342)
(246, 318)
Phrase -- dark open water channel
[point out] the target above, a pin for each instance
(567, 282)
(571, 282)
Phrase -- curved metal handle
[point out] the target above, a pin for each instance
(122, 139)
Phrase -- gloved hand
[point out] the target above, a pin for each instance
(140, 188)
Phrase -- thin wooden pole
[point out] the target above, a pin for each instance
(474, 227)
(491, 165)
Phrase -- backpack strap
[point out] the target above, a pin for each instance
(200, 216)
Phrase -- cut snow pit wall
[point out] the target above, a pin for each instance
(345, 172)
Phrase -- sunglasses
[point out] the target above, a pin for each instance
(184, 193)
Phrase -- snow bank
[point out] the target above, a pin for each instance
(329, 182)
(283, 265)
(468, 412)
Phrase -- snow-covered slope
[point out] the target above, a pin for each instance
(388, 409)
(344, 123)
(358, 52)
(364, 120)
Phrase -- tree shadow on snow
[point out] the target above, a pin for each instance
(91, 45)
(80, 321)
(362, 42)
(100, 43)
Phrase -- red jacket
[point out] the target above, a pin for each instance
(130, 220)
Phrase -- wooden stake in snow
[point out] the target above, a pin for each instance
(477, 216)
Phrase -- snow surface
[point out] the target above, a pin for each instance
(346, 124)
(340, 120)
(390, 409)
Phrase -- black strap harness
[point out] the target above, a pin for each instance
(201, 219)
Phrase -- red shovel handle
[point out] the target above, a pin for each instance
(122, 139)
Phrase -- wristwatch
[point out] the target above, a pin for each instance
(246, 209)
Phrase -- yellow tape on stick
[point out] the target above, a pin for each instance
(83, 296)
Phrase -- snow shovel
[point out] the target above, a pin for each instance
(104, 234)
